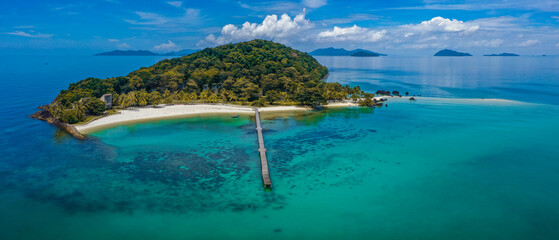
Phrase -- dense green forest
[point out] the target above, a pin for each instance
(254, 73)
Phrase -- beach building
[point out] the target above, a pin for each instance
(108, 100)
(214, 87)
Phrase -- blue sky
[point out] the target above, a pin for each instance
(394, 27)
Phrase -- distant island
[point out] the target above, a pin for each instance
(255, 73)
(128, 53)
(364, 54)
(451, 53)
(339, 52)
(502, 55)
(183, 52)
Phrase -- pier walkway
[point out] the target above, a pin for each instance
(263, 160)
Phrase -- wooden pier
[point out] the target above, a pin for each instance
(263, 160)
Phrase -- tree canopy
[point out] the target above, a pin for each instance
(257, 72)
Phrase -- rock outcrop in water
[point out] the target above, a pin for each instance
(47, 116)
(383, 92)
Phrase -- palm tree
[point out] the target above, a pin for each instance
(283, 96)
(204, 95)
(224, 95)
(166, 93)
(130, 100)
(183, 96)
(154, 98)
(328, 95)
(115, 99)
(79, 108)
(120, 99)
(213, 98)
(142, 98)
(56, 110)
(192, 96)
(233, 97)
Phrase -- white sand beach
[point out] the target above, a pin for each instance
(150, 113)
(141, 114)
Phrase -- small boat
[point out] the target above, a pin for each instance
(236, 116)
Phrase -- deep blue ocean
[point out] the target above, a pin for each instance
(476, 157)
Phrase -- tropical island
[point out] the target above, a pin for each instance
(127, 53)
(364, 54)
(183, 52)
(340, 52)
(502, 55)
(451, 53)
(257, 73)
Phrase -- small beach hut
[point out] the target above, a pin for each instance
(108, 100)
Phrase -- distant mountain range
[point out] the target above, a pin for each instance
(183, 52)
(451, 53)
(502, 55)
(364, 54)
(340, 52)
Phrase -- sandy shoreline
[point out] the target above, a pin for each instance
(146, 114)
(160, 112)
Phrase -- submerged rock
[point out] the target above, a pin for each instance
(383, 92)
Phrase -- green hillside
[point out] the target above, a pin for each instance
(255, 73)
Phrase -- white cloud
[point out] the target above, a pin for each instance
(352, 18)
(165, 46)
(355, 34)
(547, 5)
(529, 42)
(30, 35)
(434, 33)
(557, 45)
(425, 45)
(155, 21)
(273, 28)
(175, 3)
(507, 23)
(244, 5)
(267, 6)
(123, 45)
(119, 45)
(25, 26)
(314, 3)
(440, 24)
(440, 32)
(486, 43)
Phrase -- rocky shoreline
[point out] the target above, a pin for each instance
(47, 116)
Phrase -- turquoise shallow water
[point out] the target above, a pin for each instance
(449, 168)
